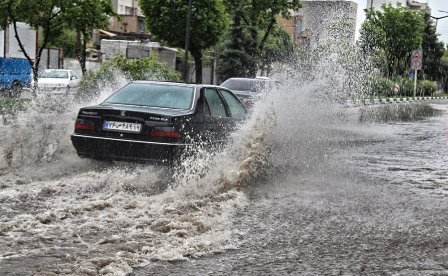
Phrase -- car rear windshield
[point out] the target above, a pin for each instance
(244, 85)
(54, 74)
(155, 95)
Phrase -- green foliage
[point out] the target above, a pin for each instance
(249, 45)
(383, 87)
(253, 23)
(132, 69)
(12, 106)
(426, 88)
(86, 15)
(167, 20)
(380, 87)
(235, 59)
(391, 35)
(279, 47)
(51, 16)
(444, 70)
(66, 39)
(432, 51)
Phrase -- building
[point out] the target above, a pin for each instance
(318, 21)
(132, 19)
(411, 4)
(138, 49)
(130, 25)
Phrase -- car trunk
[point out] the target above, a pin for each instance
(131, 123)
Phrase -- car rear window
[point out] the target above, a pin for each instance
(244, 85)
(155, 95)
(54, 74)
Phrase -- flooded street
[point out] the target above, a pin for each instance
(365, 196)
(374, 207)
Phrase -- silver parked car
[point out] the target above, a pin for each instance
(248, 89)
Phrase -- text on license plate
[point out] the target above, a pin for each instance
(122, 126)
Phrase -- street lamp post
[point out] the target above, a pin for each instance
(187, 42)
(437, 19)
(441, 17)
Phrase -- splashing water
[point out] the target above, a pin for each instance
(105, 220)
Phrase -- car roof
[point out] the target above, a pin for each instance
(64, 70)
(193, 85)
(252, 79)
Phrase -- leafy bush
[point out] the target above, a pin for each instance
(132, 69)
(426, 88)
(12, 106)
(380, 87)
(406, 87)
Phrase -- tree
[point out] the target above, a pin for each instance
(278, 48)
(393, 33)
(444, 69)
(167, 21)
(234, 60)
(84, 16)
(432, 51)
(258, 20)
(65, 39)
(45, 14)
(132, 69)
(51, 17)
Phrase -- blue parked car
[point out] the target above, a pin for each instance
(15, 74)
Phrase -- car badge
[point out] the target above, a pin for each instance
(123, 113)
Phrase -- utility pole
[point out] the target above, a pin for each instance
(187, 42)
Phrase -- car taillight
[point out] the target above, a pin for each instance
(167, 132)
(84, 125)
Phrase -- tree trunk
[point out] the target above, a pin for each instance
(81, 45)
(84, 54)
(197, 56)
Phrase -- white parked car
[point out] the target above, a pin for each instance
(57, 80)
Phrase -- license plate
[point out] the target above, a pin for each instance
(122, 126)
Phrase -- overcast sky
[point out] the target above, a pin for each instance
(436, 5)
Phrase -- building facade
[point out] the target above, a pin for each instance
(132, 19)
(411, 4)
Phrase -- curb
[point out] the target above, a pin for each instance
(379, 101)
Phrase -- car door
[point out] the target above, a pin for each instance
(216, 115)
(234, 105)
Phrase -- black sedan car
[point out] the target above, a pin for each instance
(156, 121)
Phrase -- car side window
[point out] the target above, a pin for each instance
(237, 109)
(215, 103)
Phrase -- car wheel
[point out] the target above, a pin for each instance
(15, 90)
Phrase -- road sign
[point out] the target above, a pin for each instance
(416, 59)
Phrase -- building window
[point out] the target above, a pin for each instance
(141, 26)
(129, 11)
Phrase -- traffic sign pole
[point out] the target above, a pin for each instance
(415, 82)
(416, 64)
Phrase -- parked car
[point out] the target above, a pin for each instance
(57, 80)
(15, 74)
(156, 121)
(248, 89)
